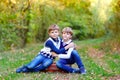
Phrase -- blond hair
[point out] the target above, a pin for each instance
(67, 30)
(53, 27)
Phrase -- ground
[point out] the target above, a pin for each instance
(101, 63)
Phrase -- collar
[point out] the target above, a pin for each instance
(55, 40)
(68, 41)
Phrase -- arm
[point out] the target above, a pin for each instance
(66, 56)
(54, 48)
(71, 45)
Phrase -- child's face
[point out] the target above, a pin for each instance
(66, 36)
(54, 34)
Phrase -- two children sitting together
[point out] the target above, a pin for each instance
(54, 46)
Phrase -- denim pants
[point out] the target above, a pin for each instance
(75, 58)
(39, 63)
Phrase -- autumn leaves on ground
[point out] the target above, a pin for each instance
(101, 60)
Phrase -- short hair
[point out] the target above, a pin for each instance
(53, 27)
(67, 30)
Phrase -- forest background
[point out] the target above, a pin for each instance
(96, 26)
(26, 21)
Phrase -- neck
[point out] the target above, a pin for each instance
(54, 38)
(66, 40)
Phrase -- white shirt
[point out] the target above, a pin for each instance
(66, 56)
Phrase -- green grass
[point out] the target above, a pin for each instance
(98, 68)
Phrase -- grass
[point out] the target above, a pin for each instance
(100, 64)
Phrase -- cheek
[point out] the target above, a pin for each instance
(70, 36)
(58, 33)
(50, 34)
(63, 35)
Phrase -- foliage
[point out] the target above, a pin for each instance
(114, 21)
(26, 21)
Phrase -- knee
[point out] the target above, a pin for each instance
(74, 52)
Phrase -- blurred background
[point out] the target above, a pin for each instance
(26, 21)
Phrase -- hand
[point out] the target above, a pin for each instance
(54, 54)
(71, 45)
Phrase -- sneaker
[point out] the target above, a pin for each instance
(82, 71)
(76, 71)
(25, 70)
(19, 70)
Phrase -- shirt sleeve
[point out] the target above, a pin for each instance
(54, 48)
(66, 56)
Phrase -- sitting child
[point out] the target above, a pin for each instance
(72, 55)
(44, 58)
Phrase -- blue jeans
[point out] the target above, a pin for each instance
(75, 58)
(39, 63)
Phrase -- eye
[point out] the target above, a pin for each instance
(63, 32)
(68, 33)
(52, 32)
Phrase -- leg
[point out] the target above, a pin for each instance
(36, 61)
(63, 64)
(78, 60)
(45, 64)
(26, 68)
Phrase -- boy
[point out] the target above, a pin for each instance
(73, 56)
(44, 58)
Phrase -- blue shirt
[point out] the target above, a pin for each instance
(52, 45)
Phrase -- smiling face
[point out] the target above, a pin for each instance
(53, 31)
(54, 34)
(67, 33)
(66, 36)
